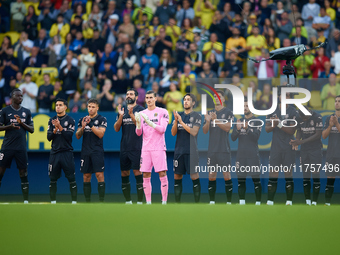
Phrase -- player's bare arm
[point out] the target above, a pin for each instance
(271, 125)
(132, 115)
(207, 123)
(224, 126)
(9, 127)
(29, 128)
(314, 137)
(119, 122)
(98, 131)
(193, 131)
(80, 131)
(174, 125)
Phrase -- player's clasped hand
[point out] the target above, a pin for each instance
(121, 110)
(17, 118)
(13, 126)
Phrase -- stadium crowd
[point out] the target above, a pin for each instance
(77, 49)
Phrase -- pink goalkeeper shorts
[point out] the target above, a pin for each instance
(156, 159)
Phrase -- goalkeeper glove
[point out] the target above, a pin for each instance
(148, 121)
(138, 121)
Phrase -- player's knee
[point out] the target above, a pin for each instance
(22, 173)
(136, 172)
(194, 176)
(100, 176)
(289, 179)
(178, 177)
(162, 173)
(71, 179)
(125, 173)
(87, 177)
(256, 180)
(146, 175)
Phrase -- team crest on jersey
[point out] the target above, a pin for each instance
(96, 122)
(156, 114)
(312, 122)
(65, 123)
(191, 119)
(24, 114)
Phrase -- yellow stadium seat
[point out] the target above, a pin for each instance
(37, 11)
(315, 101)
(2, 36)
(88, 7)
(301, 95)
(34, 71)
(14, 36)
(52, 71)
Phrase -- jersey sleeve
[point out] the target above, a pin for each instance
(318, 122)
(163, 123)
(2, 117)
(230, 116)
(71, 125)
(197, 120)
(50, 134)
(79, 122)
(29, 118)
(326, 123)
(254, 132)
(103, 122)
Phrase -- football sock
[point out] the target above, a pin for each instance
(24, 187)
(258, 188)
(197, 189)
(242, 188)
(73, 189)
(87, 191)
(147, 188)
(228, 190)
(126, 188)
(101, 191)
(289, 188)
(139, 186)
(178, 190)
(329, 189)
(164, 187)
(272, 185)
(212, 190)
(316, 189)
(306, 187)
(53, 190)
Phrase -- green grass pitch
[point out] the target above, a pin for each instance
(116, 228)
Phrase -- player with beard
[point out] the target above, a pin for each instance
(248, 132)
(15, 120)
(308, 135)
(152, 123)
(130, 146)
(92, 127)
(219, 147)
(186, 125)
(60, 131)
(282, 154)
(332, 130)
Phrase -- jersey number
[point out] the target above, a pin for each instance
(1, 156)
(81, 162)
(175, 163)
(49, 169)
(208, 161)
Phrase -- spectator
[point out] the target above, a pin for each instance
(89, 77)
(42, 42)
(299, 23)
(165, 62)
(23, 47)
(335, 60)
(182, 49)
(138, 12)
(109, 55)
(322, 22)
(277, 14)
(284, 27)
(18, 12)
(329, 92)
(184, 13)
(242, 27)
(194, 58)
(256, 92)
(69, 75)
(173, 31)
(236, 81)
(298, 38)
(330, 12)
(170, 77)
(188, 28)
(147, 61)
(35, 60)
(264, 69)
(265, 100)
(228, 14)
(127, 27)
(318, 63)
(144, 41)
(154, 29)
(161, 42)
(164, 12)
(127, 58)
(137, 85)
(106, 97)
(96, 15)
(207, 73)
(333, 42)
(77, 44)
(106, 74)
(309, 12)
(205, 10)
(57, 52)
(236, 43)
(44, 95)
(76, 104)
(264, 12)
(110, 31)
(57, 93)
(111, 9)
(74, 60)
(66, 11)
(76, 26)
(120, 82)
(159, 97)
(89, 91)
(10, 66)
(5, 16)
(150, 78)
(6, 43)
(213, 63)
(295, 14)
(254, 45)
(30, 91)
(272, 41)
(85, 60)
(173, 100)
(61, 28)
(303, 65)
(47, 15)
(220, 27)
(30, 23)
(252, 23)
(213, 46)
(78, 12)
(266, 26)
(231, 66)
(68, 41)
(128, 8)
(187, 79)
(328, 70)
(246, 11)
(96, 43)
(135, 73)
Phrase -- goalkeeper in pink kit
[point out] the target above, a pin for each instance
(152, 123)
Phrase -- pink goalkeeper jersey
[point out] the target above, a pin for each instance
(154, 138)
